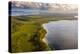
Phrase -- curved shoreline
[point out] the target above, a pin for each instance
(44, 39)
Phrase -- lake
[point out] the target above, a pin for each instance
(62, 34)
(24, 11)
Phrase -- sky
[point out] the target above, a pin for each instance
(54, 1)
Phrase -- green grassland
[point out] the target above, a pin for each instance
(27, 33)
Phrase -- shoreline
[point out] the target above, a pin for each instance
(44, 39)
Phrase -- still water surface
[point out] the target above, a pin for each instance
(23, 11)
(62, 34)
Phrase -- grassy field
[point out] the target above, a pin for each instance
(27, 33)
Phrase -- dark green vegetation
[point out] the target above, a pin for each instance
(27, 33)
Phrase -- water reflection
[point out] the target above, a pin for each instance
(62, 34)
